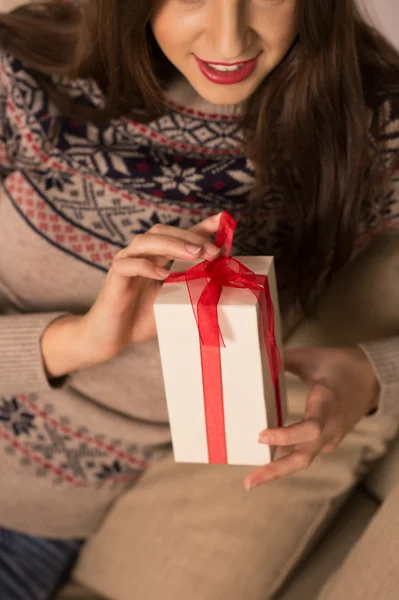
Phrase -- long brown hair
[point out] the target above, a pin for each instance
(307, 127)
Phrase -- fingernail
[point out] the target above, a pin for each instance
(193, 249)
(211, 249)
(162, 272)
(217, 217)
(263, 439)
(250, 485)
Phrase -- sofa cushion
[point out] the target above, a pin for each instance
(312, 574)
(385, 474)
(327, 556)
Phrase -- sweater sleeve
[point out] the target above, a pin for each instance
(5, 161)
(384, 219)
(384, 356)
(21, 364)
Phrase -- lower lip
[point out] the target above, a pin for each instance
(227, 77)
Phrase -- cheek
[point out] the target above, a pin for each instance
(279, 32)
(278, 43)
(173, 33)
(163, 25)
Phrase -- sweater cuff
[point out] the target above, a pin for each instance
(21, 362)
(384, 356)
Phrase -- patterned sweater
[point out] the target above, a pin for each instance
(71, 196)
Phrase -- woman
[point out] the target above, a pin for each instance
(126, 127)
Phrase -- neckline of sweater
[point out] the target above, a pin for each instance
(181, 96)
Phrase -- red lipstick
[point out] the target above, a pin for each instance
(234, 73)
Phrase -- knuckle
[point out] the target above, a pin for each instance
(120, 254)
(116, 263)
(138, 238)
(333, 444)
(269, 474)
(282, 438)
(199, 239)
(328, 448)
(157, 228)
(140, 263)
(314, 429)
(303, 460)
(272, 476)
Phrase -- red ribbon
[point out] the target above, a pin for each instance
(205, 283)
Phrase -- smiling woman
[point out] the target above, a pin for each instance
(232, 42)
(314, 74)
(126, 128)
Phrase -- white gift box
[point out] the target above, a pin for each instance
(250, 397)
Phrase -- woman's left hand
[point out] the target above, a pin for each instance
(344, 389)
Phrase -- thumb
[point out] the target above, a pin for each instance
(300, 362)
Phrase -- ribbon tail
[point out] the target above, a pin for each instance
(214, 405)
(275, 362)
(208, 326)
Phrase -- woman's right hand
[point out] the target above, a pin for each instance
(123, 311)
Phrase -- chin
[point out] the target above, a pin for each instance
(224, 95)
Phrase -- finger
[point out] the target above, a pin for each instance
(150, 244)
(283, 467)
(309, 430)
(321, 409)
(138, 267)
(331, 446)
(208, 226)
(281, 451)
(188, 236)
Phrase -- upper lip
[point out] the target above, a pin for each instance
(223, 64)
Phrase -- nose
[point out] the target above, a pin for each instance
(228, 31)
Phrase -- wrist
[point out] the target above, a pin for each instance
(63, 347)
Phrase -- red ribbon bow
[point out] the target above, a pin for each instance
(205, 283)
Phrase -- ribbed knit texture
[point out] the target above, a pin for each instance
(21, 362)
(384, 355)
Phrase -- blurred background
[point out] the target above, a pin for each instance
(385, 15)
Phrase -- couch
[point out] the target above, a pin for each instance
(335, 544)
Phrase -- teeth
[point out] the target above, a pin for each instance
(224, 68)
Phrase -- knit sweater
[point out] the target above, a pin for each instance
(71, 196)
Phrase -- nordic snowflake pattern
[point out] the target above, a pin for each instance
(88, 190)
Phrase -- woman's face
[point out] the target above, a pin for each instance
(225, 48)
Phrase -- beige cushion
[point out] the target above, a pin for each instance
(333, 548)
(310, 577)
(343, 534)
(371, 570)
(331, 551)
